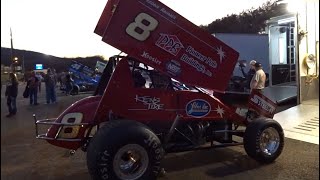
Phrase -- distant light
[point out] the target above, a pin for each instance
(39, 66)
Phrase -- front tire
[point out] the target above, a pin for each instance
(124, 150)
(264, 140)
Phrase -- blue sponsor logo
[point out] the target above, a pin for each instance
(198, 108)
(173, 68)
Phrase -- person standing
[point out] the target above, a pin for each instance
(11, 93)
(33, 88)
(40, 79)
(55, 85)
(259, 79)
(249, 74)
(69, 84)
(50, 83)
(62, 78)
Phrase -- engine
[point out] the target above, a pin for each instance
(200, 132)
(197, 132)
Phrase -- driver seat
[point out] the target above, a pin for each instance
(138, 79)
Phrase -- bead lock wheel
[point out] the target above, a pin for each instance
(130, 162)
(269, 141)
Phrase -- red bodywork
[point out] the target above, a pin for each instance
(86, 107)
(152, 33)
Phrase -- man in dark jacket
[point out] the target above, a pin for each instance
(249, 74)
(33, 84)
(11, 93)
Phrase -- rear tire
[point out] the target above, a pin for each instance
(264, 140)
(124, 149)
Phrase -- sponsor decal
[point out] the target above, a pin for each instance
(166, 12)
(173, 68)
(219, 111)
(195, 64)
(151, 58)
(198, 108)
(161, 9)
(263, 104)
(70, 118)
(152, 103)
(199, 61)
(221, 53)
(208, 60)
(169, 43)
(153, 4)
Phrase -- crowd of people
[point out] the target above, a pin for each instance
(33, 87)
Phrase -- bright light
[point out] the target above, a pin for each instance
(15, 58)
(294, 6)
(285, 21)
(282, 46)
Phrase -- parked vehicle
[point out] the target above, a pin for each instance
(84, 78)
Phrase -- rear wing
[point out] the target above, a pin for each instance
(161, 38)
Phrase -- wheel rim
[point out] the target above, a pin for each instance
(130, 162)
(269, 141)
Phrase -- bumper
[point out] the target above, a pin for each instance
(61, 126)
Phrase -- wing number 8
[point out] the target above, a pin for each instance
(146, 29)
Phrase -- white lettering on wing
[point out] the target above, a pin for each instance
(195, 64)
(153, 4)
(151, 58)
(201, 57)
(164, 11)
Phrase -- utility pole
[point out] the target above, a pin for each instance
(23, 66)
(11, 45)
(12, 65)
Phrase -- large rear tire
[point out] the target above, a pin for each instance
(264, 140)
(124, 150)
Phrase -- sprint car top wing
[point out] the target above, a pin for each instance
(161, 38)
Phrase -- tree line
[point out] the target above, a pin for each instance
(250, 21)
